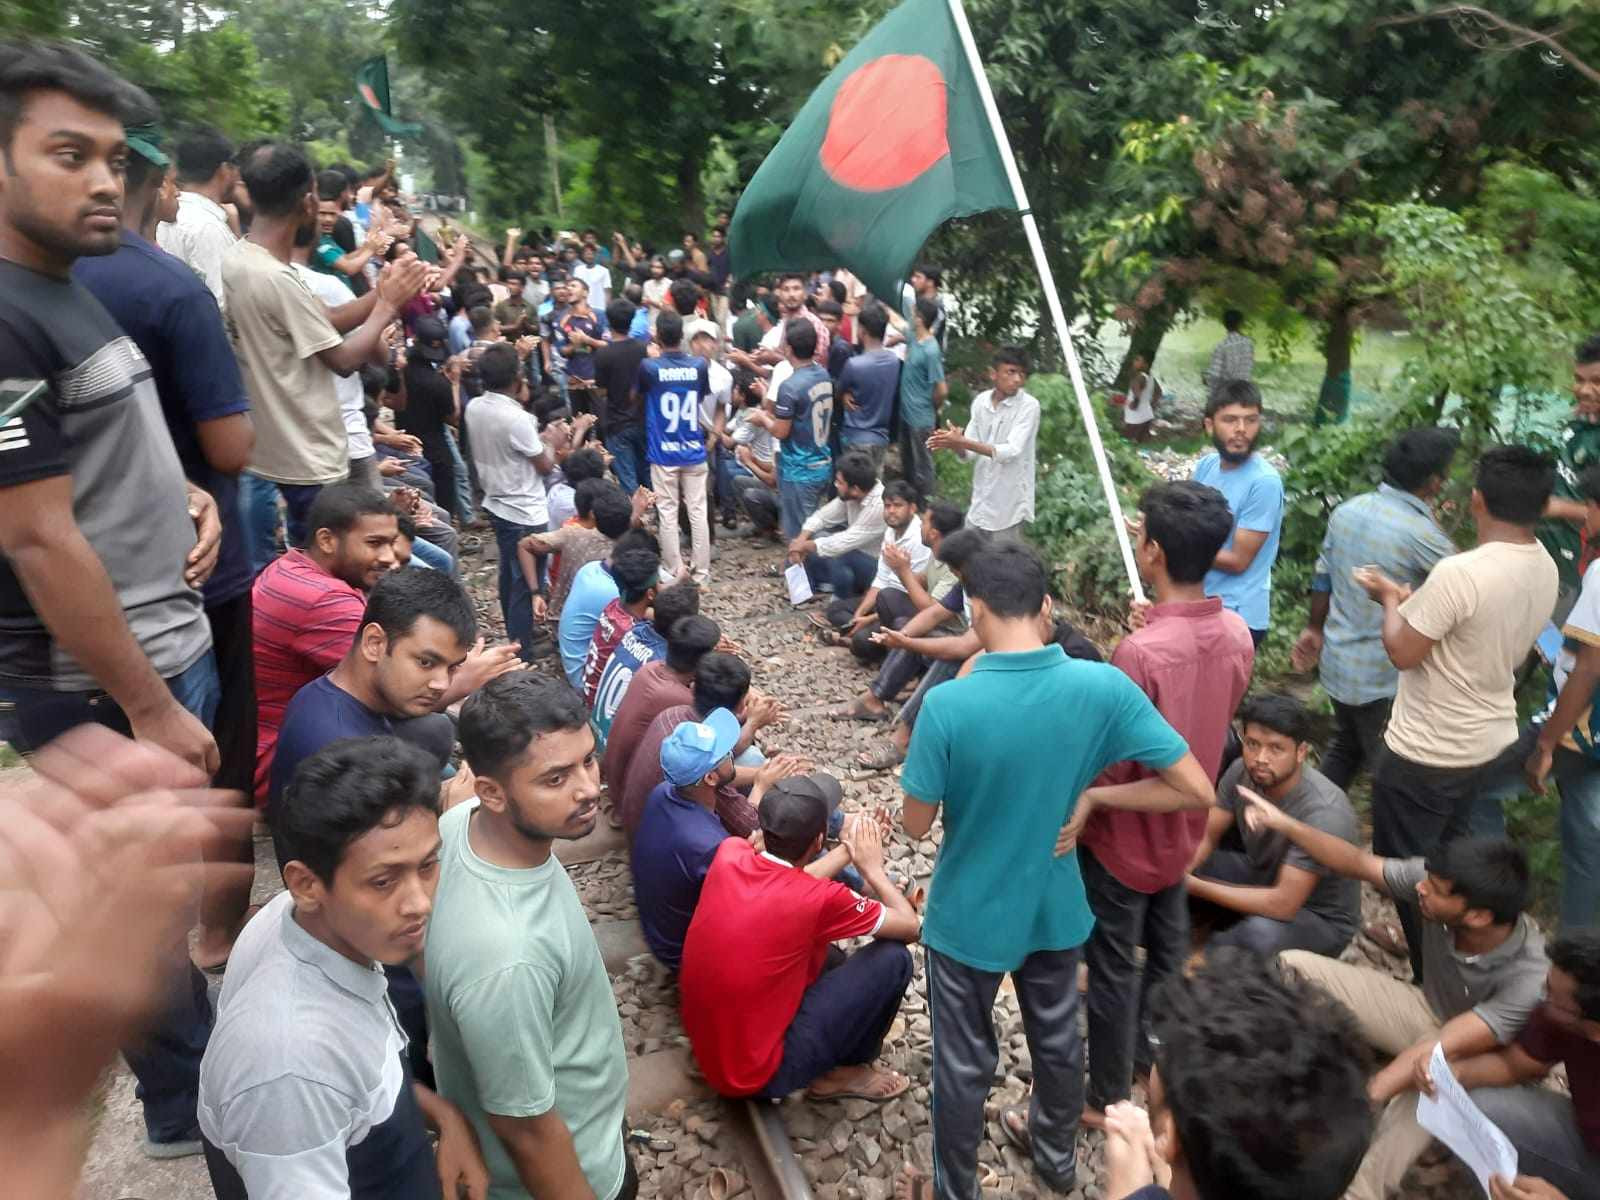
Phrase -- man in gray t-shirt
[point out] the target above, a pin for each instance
(1485, 971)
(1255, 887)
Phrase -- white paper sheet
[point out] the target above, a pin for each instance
(799, 584)
(1452, 1117)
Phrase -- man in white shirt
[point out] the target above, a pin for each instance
(511, 461)
(596, 277)
(886, 604)
(1001, 439)
(201, 235)
(844, 562)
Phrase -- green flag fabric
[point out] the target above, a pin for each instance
(372, 87)
(893, 144)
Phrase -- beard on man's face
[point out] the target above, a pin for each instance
(1234, 456)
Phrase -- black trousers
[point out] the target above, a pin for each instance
(1357, 740)
(894, 609)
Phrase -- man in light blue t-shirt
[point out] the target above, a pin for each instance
(1241, 575)
(1009, 753)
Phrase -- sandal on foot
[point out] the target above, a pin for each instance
(888, 1085)
(1014, 1124)
(880, 758)
(856, 711)
(912, 1184)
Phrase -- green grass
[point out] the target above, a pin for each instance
(8, 756)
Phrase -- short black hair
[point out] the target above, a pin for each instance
(498, 365)
(1278, 712)
(899, 489)
(958, 549)
(401, 598)
(669, 328)
(801, 337)
(856, 469)
(278, 177)
(1577, 953)
(804, 811)
(1010, 356)
(1009, 578)
(635, 538)
(945, 517)
(1232, 319)
(339, 506)
(613, 511)
(1418, 455)
(720, 681)
(38, 66)
(587, 463)
(635, 569)
(927, 310)
(619, 314)
(1515, 483)
(873, 320)
(557, 274)
(584, 495)
(406, 526)
(346, 790)
(481, 316)
(1266, 1079)
(1231, 392)
(689, 639)
(202, 152)
(674, 603)
(501, 719)
(685, 297)
(837, 290)
(331, 185)
(1487, 872)
(783, 275)
(1588, 350)
(1190, 522)
(830, 308)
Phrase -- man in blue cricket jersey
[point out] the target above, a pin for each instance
(672, 387)
(801, 420)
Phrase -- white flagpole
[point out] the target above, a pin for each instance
(1048, 283)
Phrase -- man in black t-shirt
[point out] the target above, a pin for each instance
(616, 374)
(430, 403)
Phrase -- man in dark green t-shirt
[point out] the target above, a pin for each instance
(1562, 530)
(753, 324)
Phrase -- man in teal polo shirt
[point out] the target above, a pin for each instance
(1008, 753)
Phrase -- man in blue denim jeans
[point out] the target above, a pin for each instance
(801, 419)
(101, 619)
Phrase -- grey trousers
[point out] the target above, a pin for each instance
(965, 1054)
(1542, 1127)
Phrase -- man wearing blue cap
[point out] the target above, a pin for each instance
(680, 829)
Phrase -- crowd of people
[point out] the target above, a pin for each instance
(251, 417)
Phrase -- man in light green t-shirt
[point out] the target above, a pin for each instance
(526, 1037)
(922, 392)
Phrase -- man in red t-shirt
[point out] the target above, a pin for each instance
(1193, 658)
(765, 1013)
(636, 570)
(308, 603)
(1557, 1137)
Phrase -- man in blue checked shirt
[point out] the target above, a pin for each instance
(1394, 530)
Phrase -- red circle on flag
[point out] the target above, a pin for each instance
(887, 124)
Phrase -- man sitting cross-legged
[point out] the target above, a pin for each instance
(720, 681)
(1257, 890)
(1485, 959)
(764, 1014)
(306, 1088)
(842, 561)
(887, 603)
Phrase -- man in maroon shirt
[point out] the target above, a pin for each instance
(1193, 659)
(1557, 1137)
(720, 681)
(661, 684)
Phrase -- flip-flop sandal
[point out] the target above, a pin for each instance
(918, 1185)
(883, 758)
(902, 1084)
(831, 637)
(854, 712)
(1386, 935)
(1014, 1124)
(820, 621)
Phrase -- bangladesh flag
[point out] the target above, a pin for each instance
(372, 86)
(893, 144)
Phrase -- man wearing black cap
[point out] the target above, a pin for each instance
(764, 1016)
